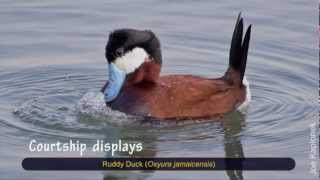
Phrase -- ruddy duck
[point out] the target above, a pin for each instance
(136, 87)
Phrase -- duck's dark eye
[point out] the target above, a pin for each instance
(119, 52)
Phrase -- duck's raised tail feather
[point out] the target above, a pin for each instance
(238, 52)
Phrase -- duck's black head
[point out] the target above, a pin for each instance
(133, 56)
(132, 47)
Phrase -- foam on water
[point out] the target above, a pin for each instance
(92, 104)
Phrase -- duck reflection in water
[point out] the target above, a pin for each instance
(232, 125)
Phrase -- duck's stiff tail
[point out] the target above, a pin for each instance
(238, 53)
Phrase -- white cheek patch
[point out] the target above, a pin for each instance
(132, 60)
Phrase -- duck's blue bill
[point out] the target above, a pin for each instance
(115, 82)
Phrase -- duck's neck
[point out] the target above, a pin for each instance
(149, 71)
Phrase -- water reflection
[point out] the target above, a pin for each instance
(232, 125)
(132, 134)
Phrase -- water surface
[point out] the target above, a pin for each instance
(52, 58)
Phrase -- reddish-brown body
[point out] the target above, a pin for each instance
(178, 96)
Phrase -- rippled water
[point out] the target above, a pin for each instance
(52, 67)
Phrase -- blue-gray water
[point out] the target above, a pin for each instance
(52, 54)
